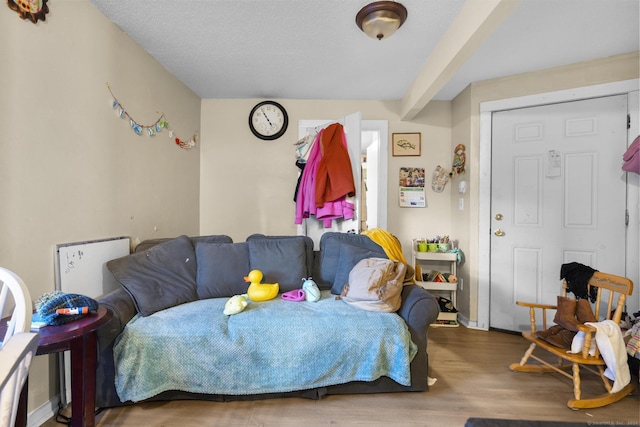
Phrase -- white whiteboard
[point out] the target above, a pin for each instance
(81, 267)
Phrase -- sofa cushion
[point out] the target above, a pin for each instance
(350, 255)
(221, 269)
(326, 261)
(282, 260)
(308, 246)
(160, 277)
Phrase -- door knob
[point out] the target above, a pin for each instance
(499, 232)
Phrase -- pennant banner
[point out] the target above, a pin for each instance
(153, 129)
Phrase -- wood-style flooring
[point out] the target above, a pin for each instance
(473, 380)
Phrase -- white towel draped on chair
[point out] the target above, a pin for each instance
(612, 349)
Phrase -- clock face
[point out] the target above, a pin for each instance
(268, 120)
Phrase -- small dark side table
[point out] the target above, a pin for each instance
(80, 338)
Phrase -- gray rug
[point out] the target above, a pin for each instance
(494, 422)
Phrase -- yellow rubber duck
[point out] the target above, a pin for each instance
(260, 291)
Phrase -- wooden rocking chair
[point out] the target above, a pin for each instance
(612, 291)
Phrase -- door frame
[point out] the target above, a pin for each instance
(484, 203)
(381, 166)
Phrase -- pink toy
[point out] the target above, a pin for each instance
(296, 295)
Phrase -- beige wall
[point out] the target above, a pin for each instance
(462, 219)
(70, 169)
(247, 185)
(466, 126)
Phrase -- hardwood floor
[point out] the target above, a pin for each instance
(473, 380)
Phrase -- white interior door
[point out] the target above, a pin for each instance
(557, 196)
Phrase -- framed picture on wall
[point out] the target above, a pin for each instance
(406, 144)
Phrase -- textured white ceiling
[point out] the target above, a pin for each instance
(312, 49)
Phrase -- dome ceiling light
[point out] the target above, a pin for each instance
(380, 19)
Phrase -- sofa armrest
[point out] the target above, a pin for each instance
(121, 304)
(419, 309)
(123, 309)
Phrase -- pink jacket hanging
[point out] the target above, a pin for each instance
(305, 201)
(631, 157)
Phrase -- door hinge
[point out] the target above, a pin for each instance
(626, 218)
(628, 121)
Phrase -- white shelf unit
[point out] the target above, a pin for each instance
(445, 262)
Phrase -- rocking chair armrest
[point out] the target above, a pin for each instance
(536, 305)
(589, 336)
(532, 308)
(586, 328)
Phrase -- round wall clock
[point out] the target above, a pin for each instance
(268, 120)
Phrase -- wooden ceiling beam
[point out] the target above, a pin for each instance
(475, 22)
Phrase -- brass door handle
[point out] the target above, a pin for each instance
(499, 232)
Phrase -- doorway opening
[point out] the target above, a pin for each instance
(374, 177)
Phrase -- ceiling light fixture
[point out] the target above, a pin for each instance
(380, 19)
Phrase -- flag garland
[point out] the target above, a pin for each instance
(154, 128)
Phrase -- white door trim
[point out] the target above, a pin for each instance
(382, 127)
(484, 203)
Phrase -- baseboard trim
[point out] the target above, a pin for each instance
(43, 413)
(469, 324)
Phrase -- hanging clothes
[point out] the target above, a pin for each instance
(305, 199)
(301, 164)
(336, 209)
(303, 147)
(631, 157)
(577, 276)
(334, 177)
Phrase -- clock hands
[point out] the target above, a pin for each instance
(266, 117)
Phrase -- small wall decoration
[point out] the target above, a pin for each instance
(439, 179)
(153, 128)
(412, 181)
(30, 9)
(459, 160)
(406, 144)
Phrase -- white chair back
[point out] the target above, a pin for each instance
(15, 358)
(20, 318)
(18, 344)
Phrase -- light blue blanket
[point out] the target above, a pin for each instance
(272, 346)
